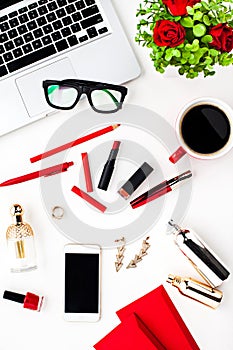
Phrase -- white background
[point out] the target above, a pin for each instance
(209, 213)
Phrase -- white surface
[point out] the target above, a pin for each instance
(209, 214)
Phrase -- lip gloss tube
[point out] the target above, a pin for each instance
(109, 167)
(135, 180)
(30, 301)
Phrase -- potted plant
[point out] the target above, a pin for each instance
(191, 35)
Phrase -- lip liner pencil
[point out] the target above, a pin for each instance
(74, 143)
(159, 190)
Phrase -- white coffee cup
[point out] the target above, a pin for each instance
(185, 148)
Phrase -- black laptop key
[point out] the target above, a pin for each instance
(90, 11)
(14, 22)
(32, 25)
(56, 36)
(19, 41)
(13, 14)
(66, 32)
(3, 18)
(33, 5)
(23, 9)
(83, 38)
(91, 21)
(37, 44)
(2, 50)
(4, 27)
(80, 5)
(33, 14)
(90, 2)
(3, 37)
(66, 21)
(61, 45)
(31, 58)
(42, 10)
(38, 33)
(70, 1)
(27, 48)
(61, 2)
(70, 9)
(72, 40)
(52, 6)
(92, 32)
(1, 61)
(41, 21)
(3, 71)
(51, 17)
(46, 40)
(61, 13)
(17, 52)
(22, 29)
(23, 18)
(42, 2)
(12, 33)
(103, 30)
(28, 37)
(8, 57)
(57, 25)
(77, 16)
(75, 28)
(9, 45)
(47, 29)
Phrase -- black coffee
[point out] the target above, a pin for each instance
(205, 129)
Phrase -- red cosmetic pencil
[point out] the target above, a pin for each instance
(74, 143)
(88, 198)
(87, 172)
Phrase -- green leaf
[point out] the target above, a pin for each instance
(205, 5)
(199, 30)
(213, 52)
(207, 39)
(197, 6)
(206, 20)
(187, 22)
(190, 10)
(198, 16)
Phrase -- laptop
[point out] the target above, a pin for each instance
(57, 39)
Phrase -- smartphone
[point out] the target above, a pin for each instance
(82, 282)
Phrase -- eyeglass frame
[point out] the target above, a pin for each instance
(85, 87)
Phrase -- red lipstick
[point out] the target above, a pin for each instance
(109, 167)
(30, 301)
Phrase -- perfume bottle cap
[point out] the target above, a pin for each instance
(16, 210)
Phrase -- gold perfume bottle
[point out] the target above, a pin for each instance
(196, 290)
(20, 242)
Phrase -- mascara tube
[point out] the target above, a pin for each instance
(206, 262)
(109, 167)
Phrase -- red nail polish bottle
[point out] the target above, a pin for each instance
(30, 301)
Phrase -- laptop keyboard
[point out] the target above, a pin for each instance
(45, 28)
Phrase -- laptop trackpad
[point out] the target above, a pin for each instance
(30, 85)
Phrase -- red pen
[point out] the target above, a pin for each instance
(53, 170)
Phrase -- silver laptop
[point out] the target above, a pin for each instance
(56, 39)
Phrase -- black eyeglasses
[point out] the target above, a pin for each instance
(65, 94)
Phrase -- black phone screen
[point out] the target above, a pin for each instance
(81, 283)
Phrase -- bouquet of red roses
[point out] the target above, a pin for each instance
(192, 35)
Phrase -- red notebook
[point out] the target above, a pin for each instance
(131, 334)
(160, 316)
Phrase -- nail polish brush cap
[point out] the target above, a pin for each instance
(18, 298)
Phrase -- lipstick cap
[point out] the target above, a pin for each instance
(135, 180)
(18, 298)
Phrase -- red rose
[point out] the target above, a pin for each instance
(178, 7)
(168, 33)
(222, 37)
